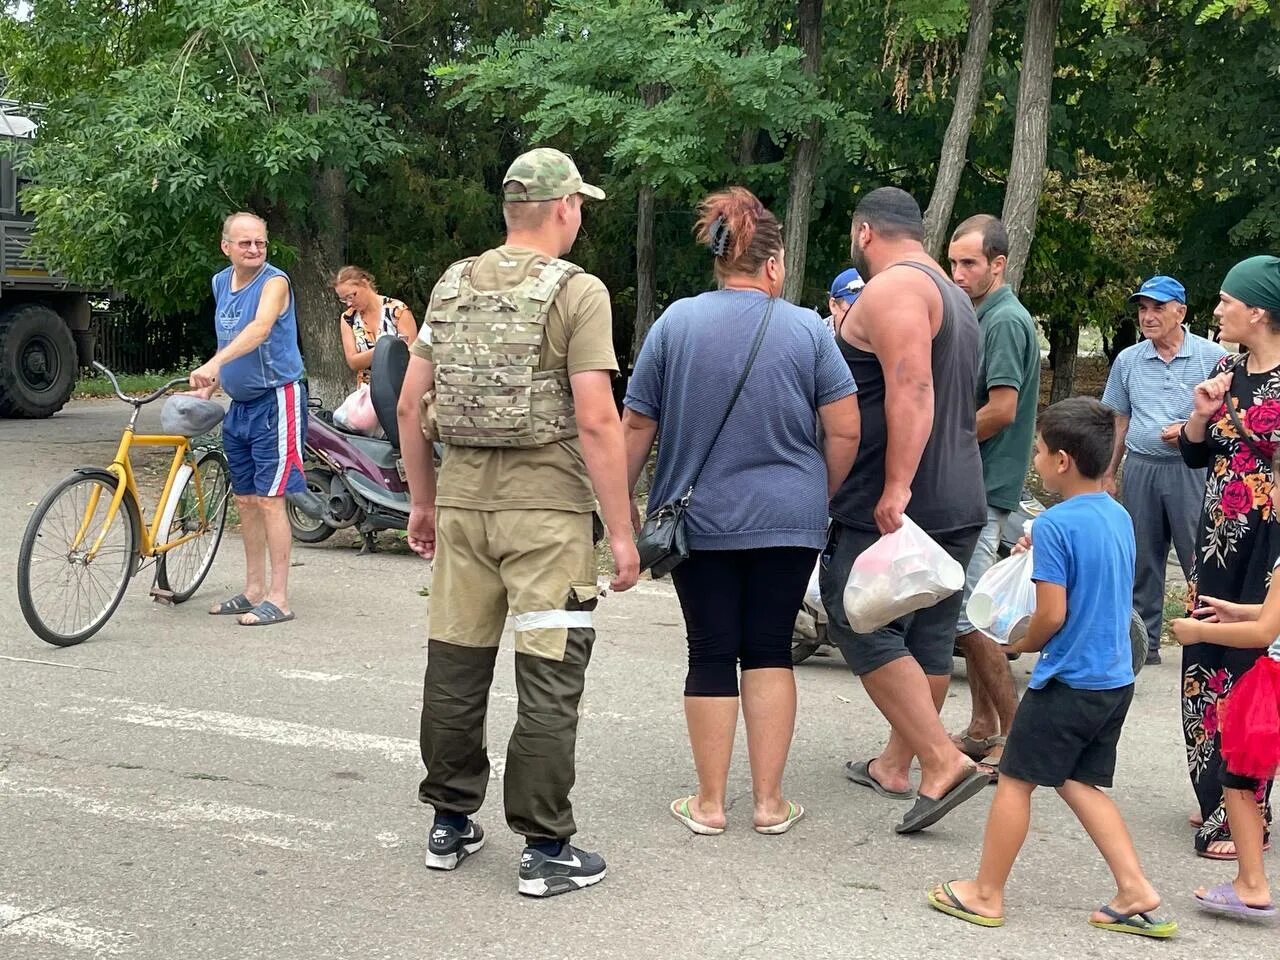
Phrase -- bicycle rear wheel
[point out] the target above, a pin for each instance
(66, 589)
(203, 512)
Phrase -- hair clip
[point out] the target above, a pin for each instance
(718, 237)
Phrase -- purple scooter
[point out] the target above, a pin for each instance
(354, 480)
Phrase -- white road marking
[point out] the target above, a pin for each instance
(282, 732)
(46, 926)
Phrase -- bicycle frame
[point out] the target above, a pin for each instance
(122, 468)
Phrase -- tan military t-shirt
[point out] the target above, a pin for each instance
(578, 337)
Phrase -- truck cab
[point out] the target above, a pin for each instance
(45, 329)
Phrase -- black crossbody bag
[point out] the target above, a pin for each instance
(663, 543)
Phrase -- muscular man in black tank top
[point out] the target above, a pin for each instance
(911, 341)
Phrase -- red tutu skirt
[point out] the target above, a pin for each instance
(1251, 722)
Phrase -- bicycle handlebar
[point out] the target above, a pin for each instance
(137, 401)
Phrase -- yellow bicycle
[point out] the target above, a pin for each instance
(87, 537)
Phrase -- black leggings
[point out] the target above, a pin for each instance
(739, 606)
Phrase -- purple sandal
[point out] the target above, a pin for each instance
(1224, 899)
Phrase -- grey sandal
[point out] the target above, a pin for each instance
(267, 614)
(237, 604)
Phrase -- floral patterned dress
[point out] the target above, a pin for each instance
(1238, 543)
(368, 330)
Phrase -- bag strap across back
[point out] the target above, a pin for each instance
(751, 359)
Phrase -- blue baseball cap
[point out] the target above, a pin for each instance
(1162, 290)
(847, 286)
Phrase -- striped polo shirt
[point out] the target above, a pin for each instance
(1154, 393)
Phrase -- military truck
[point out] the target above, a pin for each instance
(45, 329)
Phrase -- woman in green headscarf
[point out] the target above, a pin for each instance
(1239, 537)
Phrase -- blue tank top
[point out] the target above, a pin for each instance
(277, 361)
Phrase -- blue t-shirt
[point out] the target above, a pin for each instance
(765, 484)
(277, 361)
(1085, 544)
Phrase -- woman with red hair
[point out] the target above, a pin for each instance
(733, 383)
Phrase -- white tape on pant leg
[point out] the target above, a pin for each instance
(551, 619)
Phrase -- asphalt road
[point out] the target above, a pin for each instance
(179, 786)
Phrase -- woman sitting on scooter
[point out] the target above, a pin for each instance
(368, 316)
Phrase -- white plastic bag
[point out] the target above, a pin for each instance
(1003, 599)
(813, 592)
(900, 573)
(356, 413)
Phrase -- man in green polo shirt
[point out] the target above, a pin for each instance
(1008, 391)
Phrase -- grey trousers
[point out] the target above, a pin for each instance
(1164, 498)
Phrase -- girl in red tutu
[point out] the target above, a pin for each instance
(1248, 721)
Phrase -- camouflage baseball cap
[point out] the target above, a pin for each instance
(545, 174)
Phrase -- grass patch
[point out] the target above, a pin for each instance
(96, 385)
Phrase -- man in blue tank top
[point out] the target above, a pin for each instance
(259, 366)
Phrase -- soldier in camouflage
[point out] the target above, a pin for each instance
(512, 372)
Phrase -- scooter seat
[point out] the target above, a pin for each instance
(380, 452)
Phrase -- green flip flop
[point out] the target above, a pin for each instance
(1141, 924)
(957, 909)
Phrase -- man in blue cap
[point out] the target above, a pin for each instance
(1150, 390)
(844, 290)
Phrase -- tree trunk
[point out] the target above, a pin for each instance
(1064, 344)
(1125, 335)
(804, 166)
(319, 234)
(646, 256)
(646, 279)
(1031, 135)
(955, 144)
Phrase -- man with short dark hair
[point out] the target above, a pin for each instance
(1149, 388)
(1008, 391)
(911, 342)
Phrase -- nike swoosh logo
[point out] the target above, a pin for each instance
(571, 862)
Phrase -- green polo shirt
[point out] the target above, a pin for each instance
(1010, 358)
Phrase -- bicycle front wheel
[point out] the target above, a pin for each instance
(76, 558)
(200, 512)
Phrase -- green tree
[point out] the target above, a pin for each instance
(164, 117)
(663, 93)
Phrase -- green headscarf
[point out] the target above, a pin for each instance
(1256, 282)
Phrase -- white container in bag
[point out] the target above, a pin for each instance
(1003, 599)
(900, 573)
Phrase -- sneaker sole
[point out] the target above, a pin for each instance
(450, 861)
(554, 886)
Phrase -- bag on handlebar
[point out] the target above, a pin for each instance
(187, 416)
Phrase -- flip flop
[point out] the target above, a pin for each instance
(267, 613)
(1142, 924)
(680, 810)
(1224, 899)
(928, 811)
(237, 604)
(794, 813)
(1227, 857)
(975, 748)
(958, 910)
(860, 773)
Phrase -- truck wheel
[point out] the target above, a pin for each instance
(37, 362)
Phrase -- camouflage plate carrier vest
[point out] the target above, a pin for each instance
(487, 345)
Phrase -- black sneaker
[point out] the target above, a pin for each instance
(573, 869)
(448, 846)
(1153, 658)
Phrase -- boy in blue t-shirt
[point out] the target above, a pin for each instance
(1066, 729)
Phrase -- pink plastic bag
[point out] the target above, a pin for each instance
(356, 413)
(900, 573)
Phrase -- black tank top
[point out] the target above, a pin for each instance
(947, 493)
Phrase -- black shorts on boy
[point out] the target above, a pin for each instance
(1061, 733)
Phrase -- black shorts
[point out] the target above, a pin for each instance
(1234, 781)
(1061, 733)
